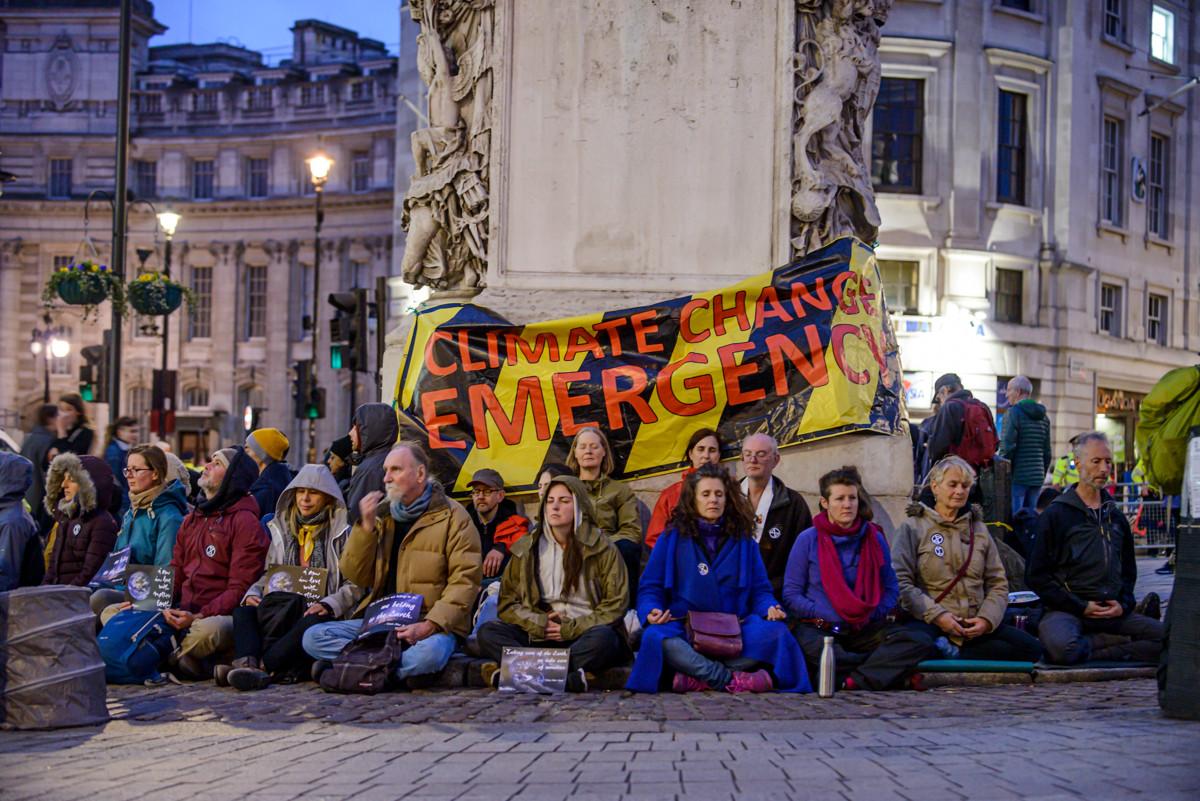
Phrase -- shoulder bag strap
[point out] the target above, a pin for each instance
(962, 571)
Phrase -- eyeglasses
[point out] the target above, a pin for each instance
(131, 471)
(485, 492)
(755, 456)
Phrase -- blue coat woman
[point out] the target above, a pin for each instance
(686, 575)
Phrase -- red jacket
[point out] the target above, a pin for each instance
(660, 520)
(218, 556)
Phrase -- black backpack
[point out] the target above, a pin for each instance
(366, 665)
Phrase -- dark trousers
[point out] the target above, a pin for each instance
(597, 649)
(878, 657)
(1070, 639)
(631, 554)
(272, 632)
(1005, 644)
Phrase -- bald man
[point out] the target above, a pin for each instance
(780, 513)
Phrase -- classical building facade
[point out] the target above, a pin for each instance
(1034, 172)
(220, 136)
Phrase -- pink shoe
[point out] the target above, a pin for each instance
(757, 682)
(684, 683)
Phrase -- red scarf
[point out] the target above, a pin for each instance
(855, 607)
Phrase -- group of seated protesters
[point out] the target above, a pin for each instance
(569, 577)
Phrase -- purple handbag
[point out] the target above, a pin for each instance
(717, 635)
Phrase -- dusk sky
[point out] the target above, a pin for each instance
(264, 24)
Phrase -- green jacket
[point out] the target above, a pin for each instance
(616, 509)
(603, 574)
(1026, 442)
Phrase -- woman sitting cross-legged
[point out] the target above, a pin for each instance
(309, 529)
(840, 583)
(708, 561)
(951, 578)
(565, 586)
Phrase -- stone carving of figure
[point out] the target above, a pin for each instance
(446, 207)
(837, 80)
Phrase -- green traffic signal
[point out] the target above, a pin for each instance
(87, 392)
(335, 357)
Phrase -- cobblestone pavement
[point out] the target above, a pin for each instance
(1094, 741)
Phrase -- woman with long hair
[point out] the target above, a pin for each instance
(614, 503)
(74, 427)
(708, 562)
(703, 447)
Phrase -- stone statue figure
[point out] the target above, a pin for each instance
(445, 210)
(836, 82)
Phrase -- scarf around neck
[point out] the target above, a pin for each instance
(855, 606)
(308, 532)
(403, 513)
(144, 500)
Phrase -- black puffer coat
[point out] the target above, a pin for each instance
(86, 530)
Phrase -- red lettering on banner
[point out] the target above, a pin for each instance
(685, 318)
(430, 364)
(610, 327)
(698, 383)
(464, 352)
(529, 397)
(514, 343)
(738, 310)
(567, 403)
(811, 366)
(435, 421)
(873, 344)
(493, 349)
(642, 329)
(801, 295)
(734, 372)
(580, 340)
(614, 396)
(845, 288)
(768, 307)
(839, 334)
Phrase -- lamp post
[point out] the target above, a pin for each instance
(167, 220)
(51, 342)
(318, 167)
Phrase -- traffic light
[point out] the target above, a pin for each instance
(308, 400)
(93, 373)
(348, 330)
(315, 410)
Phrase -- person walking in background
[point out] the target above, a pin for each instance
(75, 434)
(1026, 443)
(36, 449)
(122, 433)
(78, 494)
(268, 447)
(21, 562)
(704, 447)
(373, 433)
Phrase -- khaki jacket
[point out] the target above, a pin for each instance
(603, 575)
(615, 509)
(439, 560)
(923, 574)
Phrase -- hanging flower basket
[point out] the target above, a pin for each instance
(85, 284)
(153, 294)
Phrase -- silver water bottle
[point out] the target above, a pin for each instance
(828, 669)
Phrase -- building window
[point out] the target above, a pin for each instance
(145, 178)
(1010, 286)
(361, 170)
(205, 102)
(900, 282)
(148, 103)
(897, 135)
(1162, 34)
(60, 178)
(1156, 187)
(256, 177)
(256, 302)
(1156, 319)
(1112, 198)
(362, 90)
(195, 398)
(200, 307)
(1011, 149)
(62, 262)
(202, 179)
(1114, 19)
(1019, 5)
(259, 98)
(312, 94)
(1110, 309)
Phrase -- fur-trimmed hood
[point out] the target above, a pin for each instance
(917, 509)
(94, 477)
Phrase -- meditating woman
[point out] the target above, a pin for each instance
(703, 447)
(564, 587)
(708, 562)
(951, 578)
(840, 582)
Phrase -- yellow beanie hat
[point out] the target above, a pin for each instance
(269, 444)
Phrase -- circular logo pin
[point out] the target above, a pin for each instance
(937, 539)
(210, 551)
(76, 529)
(939, 550)
(774, 533)
(703, 568)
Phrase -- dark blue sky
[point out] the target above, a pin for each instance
(264, 24)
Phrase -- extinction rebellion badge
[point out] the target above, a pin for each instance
(703, 568)
(210, 551)
(939, 551)
(77, 528)
(774, 533)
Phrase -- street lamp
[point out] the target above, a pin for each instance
(168, 220)
(319, 166)
(51, 342)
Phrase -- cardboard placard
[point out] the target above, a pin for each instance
(149, 586)
(113, 570)
(394, 610)
(534, 670)
(306, 581)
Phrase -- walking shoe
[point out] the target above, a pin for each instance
(577, 681)
(683, 683)
(319, 667)
(1150, 606)
(249, 678)
(1167, 569)
(757, 682)
(221, 675)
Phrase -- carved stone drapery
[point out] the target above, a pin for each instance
(446, 207)
(836, 66)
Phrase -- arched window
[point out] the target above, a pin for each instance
(195, 398)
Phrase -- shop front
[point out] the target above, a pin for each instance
(1116, 417)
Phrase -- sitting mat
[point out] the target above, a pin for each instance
(1100, 664)
(973, 666)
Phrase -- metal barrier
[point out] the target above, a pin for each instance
(1154, 519)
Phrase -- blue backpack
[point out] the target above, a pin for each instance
(133, 644)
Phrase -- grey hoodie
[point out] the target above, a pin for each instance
(341, 595)
(377, 431)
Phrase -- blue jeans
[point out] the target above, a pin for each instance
(430, 655)
(682, 658)
(1024, 496)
